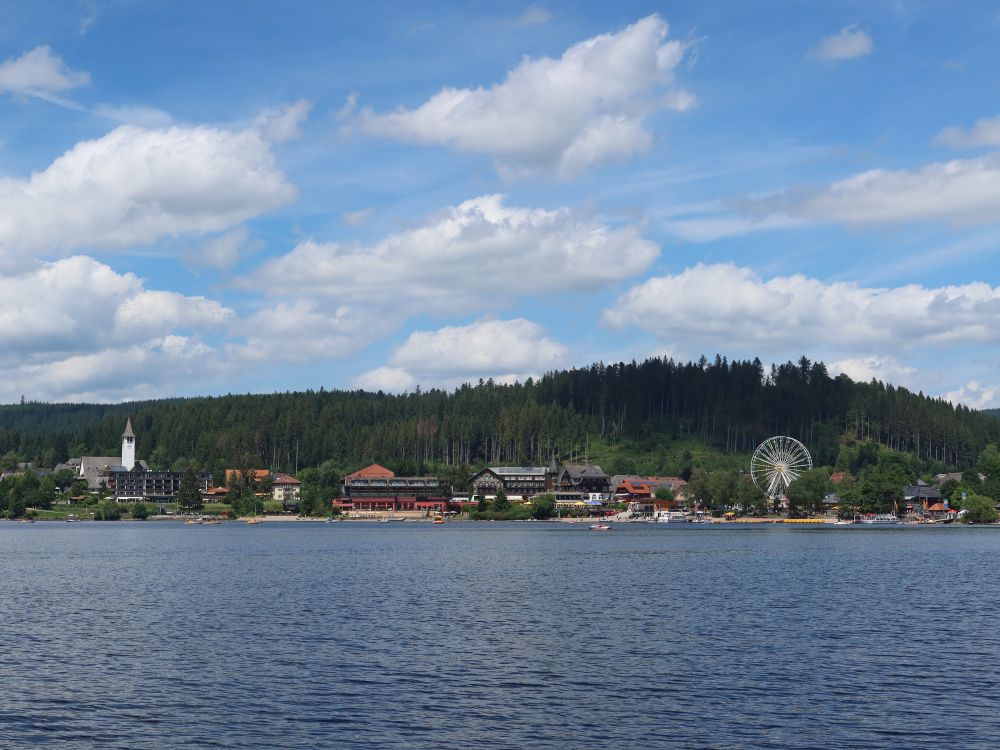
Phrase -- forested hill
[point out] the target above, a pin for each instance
(635, 407)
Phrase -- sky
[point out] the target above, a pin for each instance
(207, 198)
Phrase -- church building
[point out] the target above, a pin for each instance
(128, 479)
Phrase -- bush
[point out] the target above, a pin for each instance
(108, 511)
(979, 509)
(543, 506)
(140, 512)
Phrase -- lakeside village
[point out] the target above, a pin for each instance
(116, 487)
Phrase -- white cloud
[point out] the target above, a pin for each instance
(78, 304)
(975, 395)
(962, 190)
(390, 379)
(284, 124)
(39, 72)
(137, 371)
(986, 132)
(135, 186)
(874, 367)
(562, 116)
(534, 15)
(505, 350)
(302, 331)
(480, 254)
(848, 43)
(75, 327)
(732, 305)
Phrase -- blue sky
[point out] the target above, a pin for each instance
(202, 198)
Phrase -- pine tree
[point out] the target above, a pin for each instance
(189, 492)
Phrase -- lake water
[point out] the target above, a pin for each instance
(406, 635)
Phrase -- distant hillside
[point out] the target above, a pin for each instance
(621, 413)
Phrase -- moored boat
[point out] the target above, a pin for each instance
(879, 519)
(671, 516)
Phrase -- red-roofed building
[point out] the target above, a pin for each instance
(375, 488)
(371, 472)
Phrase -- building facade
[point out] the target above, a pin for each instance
(516, 481)
(376, 488)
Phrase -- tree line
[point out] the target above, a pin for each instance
(638, 407)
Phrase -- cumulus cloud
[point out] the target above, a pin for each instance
(140, 371)
(725, 303)
(962, 190)
(39, 71)
(505, 350)
(846, 44)
(80, 304)
(480, 253)
(985, 132)
(975, 395)
(303, 330)
(391, 379)
(76, 321)
(874, 367)
(284, 124)
(563, 115)
(134, 186)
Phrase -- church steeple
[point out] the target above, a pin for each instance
(128, 446)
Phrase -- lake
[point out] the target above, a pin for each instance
(492, 635)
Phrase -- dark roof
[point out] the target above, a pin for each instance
(581, 471)
(922, 492)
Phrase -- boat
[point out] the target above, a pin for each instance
(254, 520)
(212, 522)
(670, 516)
(880, 519)
(390, 518)
(331, 519)
(600, 527)
(72, 519)
(438, 519)
(194, 521)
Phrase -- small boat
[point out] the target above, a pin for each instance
(671, 516)
(600, 527)
(438, 519)
(212, 522)
(71, 519)
(332, 520)
(254, 520)
(194, 522)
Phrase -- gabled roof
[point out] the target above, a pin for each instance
(282, 478)
(372, 472)
(581, 471)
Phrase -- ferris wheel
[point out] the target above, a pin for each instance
(778, 462)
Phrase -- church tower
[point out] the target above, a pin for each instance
(128, 446)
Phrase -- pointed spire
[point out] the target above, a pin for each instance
(128, 429)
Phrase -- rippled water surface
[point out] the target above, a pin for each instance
(409, 635)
